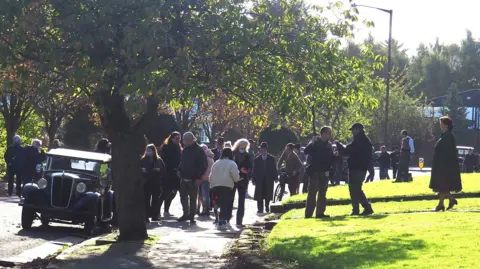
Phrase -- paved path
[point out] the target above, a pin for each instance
(181, 245)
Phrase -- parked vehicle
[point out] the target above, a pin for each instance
(462, 152)
(75, 189)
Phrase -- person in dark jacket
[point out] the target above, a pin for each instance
(193, 164)
(35, 156)
(360, 156)
(15, 160)
(171, 152)
(264, 176)
(470, 161)
(217, 151)
(153, 170)
(321, 151)
(384, 163)
(445, 177)
(244, 163)
(407, 149)
(394, 159)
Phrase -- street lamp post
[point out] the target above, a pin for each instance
(389, 65)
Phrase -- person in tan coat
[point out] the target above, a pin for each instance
(293, 167)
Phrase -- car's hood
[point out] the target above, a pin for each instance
(72, 175)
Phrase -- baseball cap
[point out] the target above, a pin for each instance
(356, 126)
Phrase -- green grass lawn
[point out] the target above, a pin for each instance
(465, 204)
(418, 240)
(387, 189)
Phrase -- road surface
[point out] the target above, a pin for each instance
(14, 240)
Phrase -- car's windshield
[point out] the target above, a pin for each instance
(63, 163)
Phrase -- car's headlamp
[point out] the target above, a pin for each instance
(42, 183)
(81, 187)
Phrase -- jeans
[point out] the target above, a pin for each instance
(371, 174)
(204, 192)
(153, 190)
(188, 198)
(394, 171)
(384, 173)
(241, 189)
(223, 200)
(14, 175)
(318, 186)
(355, 182)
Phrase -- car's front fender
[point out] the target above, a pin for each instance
(32, 194)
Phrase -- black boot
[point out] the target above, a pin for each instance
(367, 209)
(355, 210)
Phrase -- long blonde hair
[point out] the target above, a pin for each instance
(241, 143)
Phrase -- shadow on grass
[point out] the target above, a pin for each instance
(347, 250)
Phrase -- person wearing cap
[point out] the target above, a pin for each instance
(406, 151)
(360, 156)
(193, 164)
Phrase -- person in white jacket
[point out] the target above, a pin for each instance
(222, 179)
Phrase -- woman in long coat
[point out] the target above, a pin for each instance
(171, 153)
(445, 176)
(264, 175)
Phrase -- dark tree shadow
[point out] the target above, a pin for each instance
(112, 256)
(350, 250)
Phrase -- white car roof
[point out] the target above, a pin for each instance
(79, 154)
(464, 147)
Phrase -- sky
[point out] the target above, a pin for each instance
(417, 21)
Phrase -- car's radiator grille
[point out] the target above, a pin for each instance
(61, 191)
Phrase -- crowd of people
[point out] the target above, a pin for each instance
(23, 163)
(209, 179)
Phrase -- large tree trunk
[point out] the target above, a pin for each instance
(127, 145)
(15, 111)
(129, 187)
(52, 124)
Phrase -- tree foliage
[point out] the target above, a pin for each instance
(454, 108)
(130, 57)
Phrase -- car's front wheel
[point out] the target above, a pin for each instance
(28, 215)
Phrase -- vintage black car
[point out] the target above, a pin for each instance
(75, 189)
